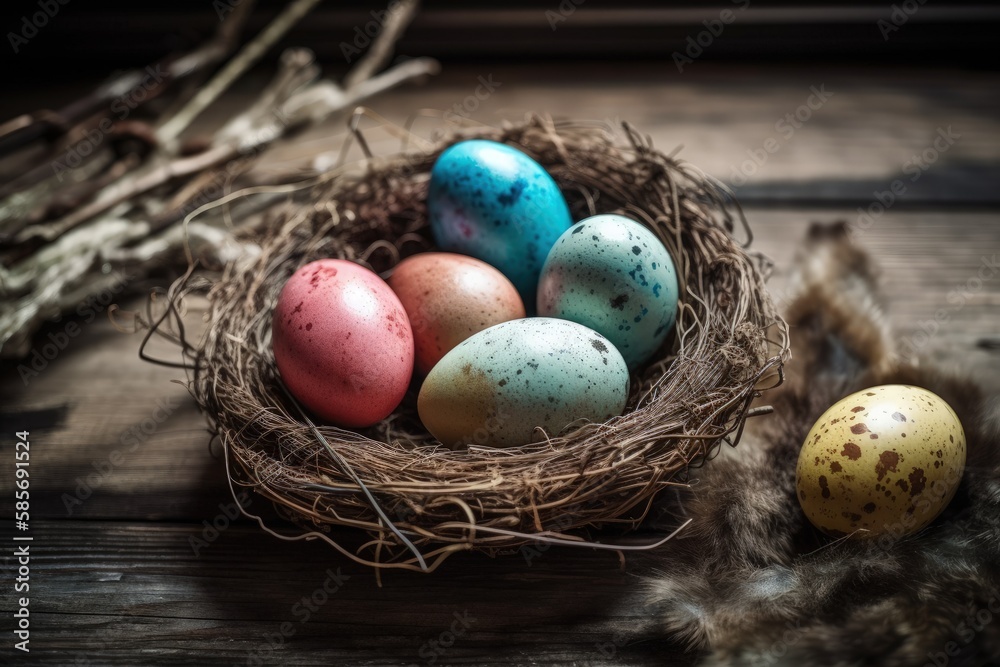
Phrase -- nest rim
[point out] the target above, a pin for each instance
(420, 502)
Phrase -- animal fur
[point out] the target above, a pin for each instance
(751, 582)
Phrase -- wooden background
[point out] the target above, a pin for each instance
(115, 579)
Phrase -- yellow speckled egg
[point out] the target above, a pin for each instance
(886, 460)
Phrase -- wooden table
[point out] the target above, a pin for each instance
(124, 480)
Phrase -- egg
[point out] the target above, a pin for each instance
(497, 386)
(885, 460)
(491, 201)
(449, 297)
(342, 342)
(612, 274)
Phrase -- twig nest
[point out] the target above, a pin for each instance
(726, 345)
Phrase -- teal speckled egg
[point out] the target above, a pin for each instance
(496, 387)
(493, 202)
(612, 274)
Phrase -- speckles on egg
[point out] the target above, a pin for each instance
(449, 297)
(899, 453)
(858, 429)
(342, 342)
(491, 201)
(496, 387)
(612, 274)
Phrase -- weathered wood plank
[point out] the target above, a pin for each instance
(126, 594)
(862, 133)
(863, 137)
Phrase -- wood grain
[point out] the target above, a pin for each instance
(124, 593)
(124, 475)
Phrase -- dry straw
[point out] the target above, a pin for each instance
(420, 502)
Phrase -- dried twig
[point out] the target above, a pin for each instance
(127, 213)
(381, 50)
(235, 68)
(27, 128)
(259, 126)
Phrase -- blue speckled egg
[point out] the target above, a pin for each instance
(493, 202)
(496, 387)
(612, 274)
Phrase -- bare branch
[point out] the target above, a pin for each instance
(235, 68)
(378, 54)
(128, 218)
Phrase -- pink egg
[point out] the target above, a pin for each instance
(450, 297)
(342, 342)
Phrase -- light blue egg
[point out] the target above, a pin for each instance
(497, 386)
(491, 201)
(612, 274)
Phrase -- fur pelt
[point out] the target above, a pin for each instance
(751, 582)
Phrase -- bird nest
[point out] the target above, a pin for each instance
(420, 501)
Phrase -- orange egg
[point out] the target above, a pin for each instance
(448, 298)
